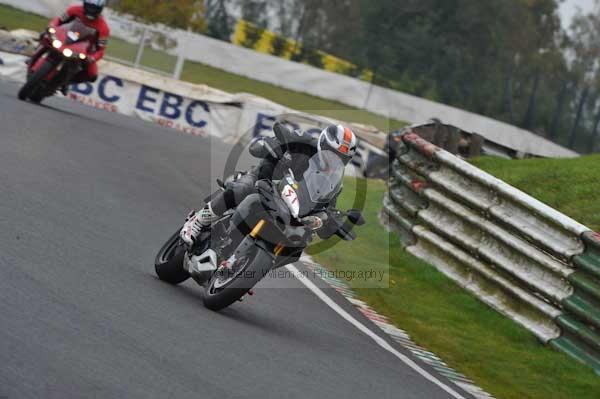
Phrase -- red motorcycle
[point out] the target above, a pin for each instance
(66, 50)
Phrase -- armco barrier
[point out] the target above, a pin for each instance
(516, 254)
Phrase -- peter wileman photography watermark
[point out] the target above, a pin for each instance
(286, 278)
(359, 276)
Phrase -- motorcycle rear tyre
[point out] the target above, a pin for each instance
(168, 264)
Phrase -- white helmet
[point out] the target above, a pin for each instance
(339, 139)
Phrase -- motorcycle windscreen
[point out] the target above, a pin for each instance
(324, 177)
(77, 31)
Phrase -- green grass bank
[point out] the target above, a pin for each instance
(500, 356)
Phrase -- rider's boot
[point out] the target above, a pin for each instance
(196, 223)
(64, 89)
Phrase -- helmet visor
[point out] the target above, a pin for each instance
(92, 10)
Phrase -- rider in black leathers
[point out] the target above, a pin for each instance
(287, 150)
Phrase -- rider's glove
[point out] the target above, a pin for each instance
(331, 224)
(312, 222)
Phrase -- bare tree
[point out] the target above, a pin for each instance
(585, 61)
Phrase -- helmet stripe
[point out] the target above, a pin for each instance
(347, 136)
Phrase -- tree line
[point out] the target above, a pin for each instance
(511, 60)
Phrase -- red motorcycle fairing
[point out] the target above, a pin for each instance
(74, 36)
(38, 64)
(61, 56)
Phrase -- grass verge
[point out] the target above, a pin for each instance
(11, 18)
(500, 356)
(569, 185)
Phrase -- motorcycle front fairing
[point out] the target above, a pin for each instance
(278, 207)
(279, 229)
(69, 42)
(75, 36)
(264, 218)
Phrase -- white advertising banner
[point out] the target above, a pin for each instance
(190, 109)
(190, 116)
(195, 116)
(13, 66)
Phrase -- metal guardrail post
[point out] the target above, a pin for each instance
(179, 67)
(181, 49)
(140, 51)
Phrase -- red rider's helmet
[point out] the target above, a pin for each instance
(93, 8)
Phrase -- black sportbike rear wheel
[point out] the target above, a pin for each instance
(32, 86)
(169, 261)
(228, 285)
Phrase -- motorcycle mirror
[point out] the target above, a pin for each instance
(355, 217)
(282, 133)
(346, 235)
(258, 149)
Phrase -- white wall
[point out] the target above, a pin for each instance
(43, 7)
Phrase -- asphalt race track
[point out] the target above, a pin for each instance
(86, 200)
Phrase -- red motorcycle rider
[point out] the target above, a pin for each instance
(90, 13)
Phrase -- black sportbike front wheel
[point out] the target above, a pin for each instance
(169, 261)
(32, 87)
(229, 284)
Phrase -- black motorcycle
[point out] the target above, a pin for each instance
(268, 230)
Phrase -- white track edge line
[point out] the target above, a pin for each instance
(361, 327)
